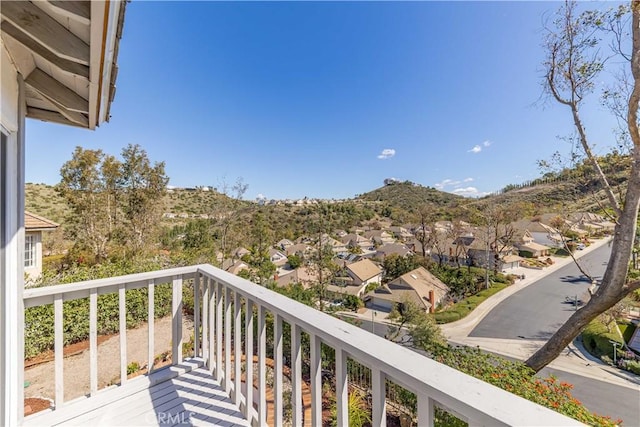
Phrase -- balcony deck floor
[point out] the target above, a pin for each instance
(191, 398)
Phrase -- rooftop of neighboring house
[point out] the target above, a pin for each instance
(393, 248)
(364, 269)
(33, 222)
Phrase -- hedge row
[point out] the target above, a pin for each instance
(462, 308)
(595, 338)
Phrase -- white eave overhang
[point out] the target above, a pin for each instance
(66, 52)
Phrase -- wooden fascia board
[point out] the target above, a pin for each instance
(40, 50)
(56, 91)
(39, 25)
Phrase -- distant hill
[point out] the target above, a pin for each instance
(410, 197)
(44, 200)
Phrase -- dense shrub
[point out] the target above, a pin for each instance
(464, 307)
(596, 339)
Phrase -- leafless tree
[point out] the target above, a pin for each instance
(574, 60)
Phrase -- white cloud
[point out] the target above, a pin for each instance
(475, 149)
(261, 197)
(467, 180)
(469, 192)
(446, 183)
(387, 153)
(478, 147)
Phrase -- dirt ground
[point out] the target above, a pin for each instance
(41, 380)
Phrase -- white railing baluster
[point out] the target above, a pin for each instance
(296, 375)
(151, 316)
(378, 402)
(316, 380)
(277, 372)
(58, 349)
(176, 323)
(227, 340)
(426, 410)
(262, 368)
(205, 321)
(122, 313)
(237, 348)
(248, 351)
(93, 341)
(342, 388)
(219, 311)
(212, 323)
(196, 315)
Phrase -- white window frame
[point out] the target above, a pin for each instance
(30, 244)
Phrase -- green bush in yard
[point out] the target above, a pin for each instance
(595, 338)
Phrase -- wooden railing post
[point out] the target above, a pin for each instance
(227, 340)
(176, 322)
(262, 368)
(237, 348)
(342, 390)
(296, 375)
(122, 313)
(58, 349)
(93, 341)
(248, 352)
(426, 410)
(196, 315)
(151, 326)
(378, 398)
(205, 321)
(316, 380)
(277, 372)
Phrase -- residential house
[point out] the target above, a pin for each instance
(524, 242)
(355, 240)
(277, 257)
(364, 272)
(379, 237)
(400, 233)
(299, 249)
(393, 248)
(592, 223)
(34, 225)
(539, 231)
(234, 267)
(284, 244)
(239, 252)
(418, 286)
(303, 275)
(335, 245)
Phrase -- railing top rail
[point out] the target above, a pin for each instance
(45, 291)
(463, 393)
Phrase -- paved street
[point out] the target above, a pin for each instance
(538, 310)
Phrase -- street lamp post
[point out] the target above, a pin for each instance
(615, 349)
(373, 323)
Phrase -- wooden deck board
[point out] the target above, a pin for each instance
(192, 398)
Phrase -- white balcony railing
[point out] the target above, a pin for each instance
(220, 331)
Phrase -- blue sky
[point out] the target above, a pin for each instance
(329, 99)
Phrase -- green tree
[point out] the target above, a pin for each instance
(395, 266)
(142, 186)
(84, 188)
(412, 327)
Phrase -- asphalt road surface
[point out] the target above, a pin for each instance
(538, 310)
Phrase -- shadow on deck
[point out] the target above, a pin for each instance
(186, 394)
